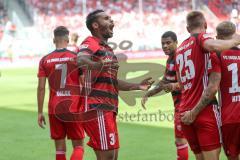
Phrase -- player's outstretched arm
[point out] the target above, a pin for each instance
(207, 97)
(143, 85)
(221, 45)
(158, 88)
(40, 99)
(170, 87)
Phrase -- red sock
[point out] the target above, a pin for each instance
(77, 153)
(182, 152)
(60, 155)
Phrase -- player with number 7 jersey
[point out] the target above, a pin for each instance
(63, 76)
(192, 71)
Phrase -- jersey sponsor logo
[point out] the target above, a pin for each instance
(107, 60)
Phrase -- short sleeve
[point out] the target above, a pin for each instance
(203, 37)
(41, 69)
(214, 63)
(89, 45)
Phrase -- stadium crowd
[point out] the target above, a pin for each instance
(145, 23)
(144, 30)
(3, 18)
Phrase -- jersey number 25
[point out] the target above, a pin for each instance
(187, 65)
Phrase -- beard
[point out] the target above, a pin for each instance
(107, 35)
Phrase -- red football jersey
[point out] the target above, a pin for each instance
(171, 77)
(228, 63)
(63, 77)
(192, 67)
(101, 91)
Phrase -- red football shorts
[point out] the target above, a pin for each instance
(178, 126)
(204, 133)
(231, 139)
(102, 131)
(60, 129)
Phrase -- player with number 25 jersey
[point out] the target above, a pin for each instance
(192, 64)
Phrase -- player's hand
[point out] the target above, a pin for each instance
(188, 117)
(146, 84)
(41, 120)
(144, 100)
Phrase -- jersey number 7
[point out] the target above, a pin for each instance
(63, 68)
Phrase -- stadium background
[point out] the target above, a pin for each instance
(26, 34)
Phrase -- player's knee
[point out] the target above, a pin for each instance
(180, 141)
(76, 143)
(110, 156)
(105, 155)
(212, 155)
(60, 146)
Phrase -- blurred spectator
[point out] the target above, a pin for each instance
(143, 26)
(73, 44)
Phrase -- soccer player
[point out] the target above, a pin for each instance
(192, 63)
(58, 67)
(169, 46)
(72, 46)
(224, 71)
(102, 86)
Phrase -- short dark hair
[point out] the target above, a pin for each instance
(170, 34)
(195, 19)
(91, 17)
(61, 31)
(226, 28)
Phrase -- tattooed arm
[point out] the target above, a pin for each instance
(170, 87)
(207, 97)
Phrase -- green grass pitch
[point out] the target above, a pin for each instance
(144, 138)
